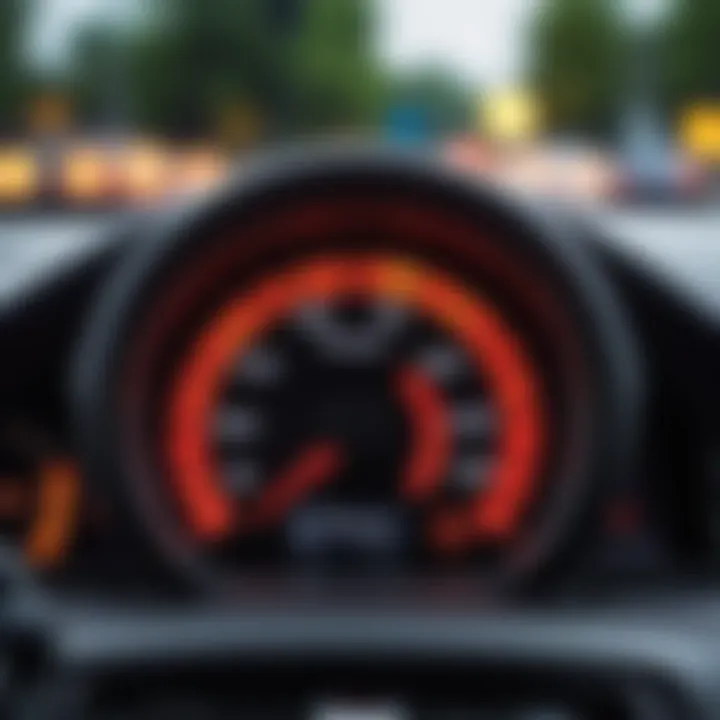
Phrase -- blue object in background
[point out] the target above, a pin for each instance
(408, 125)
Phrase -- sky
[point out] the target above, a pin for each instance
(58, 17)
(481, 40)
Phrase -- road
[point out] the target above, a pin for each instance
(685, 244)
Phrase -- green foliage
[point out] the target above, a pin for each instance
(190, 67)
(193, 56)
(97, 59)
(299, 64)
(578, 57)
(333, 77)
(692, 52)
(15, 79)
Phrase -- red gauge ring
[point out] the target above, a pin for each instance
(493, 346)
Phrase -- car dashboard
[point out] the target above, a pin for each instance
(367, 403)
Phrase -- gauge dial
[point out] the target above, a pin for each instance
(39, 496)
(355, 409)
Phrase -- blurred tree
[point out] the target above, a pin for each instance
(197, 66)
(578, 58)
(192, 58)
(692, 53)
(441, 98)
(15, 77)
(335, 79)
(97, 74)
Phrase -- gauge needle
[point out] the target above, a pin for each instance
(312, 469)
(431, 445)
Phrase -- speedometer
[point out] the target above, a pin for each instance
(354, 409)
(351, 365)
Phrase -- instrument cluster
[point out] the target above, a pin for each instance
(349, 369)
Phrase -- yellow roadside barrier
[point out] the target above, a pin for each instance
(20, 176)
(87, 175)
